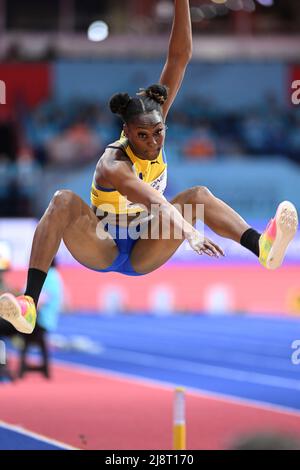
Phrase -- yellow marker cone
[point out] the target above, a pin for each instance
(179, 432)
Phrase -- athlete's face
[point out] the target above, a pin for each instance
(146, 135)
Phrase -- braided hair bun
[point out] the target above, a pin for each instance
(158, 93)
(146, 101)
(119, 102)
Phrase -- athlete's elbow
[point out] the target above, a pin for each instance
(181, 59)
(184, 55)
(188, 53)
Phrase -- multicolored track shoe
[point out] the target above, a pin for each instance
(279, 233)
(19, 311)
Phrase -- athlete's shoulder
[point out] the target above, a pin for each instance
(121, 142)
(111, 157)
(114, 157)
(114, 150)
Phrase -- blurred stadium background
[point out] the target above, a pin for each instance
(234, 128)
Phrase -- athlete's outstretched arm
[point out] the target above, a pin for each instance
(179, 52)
(121, 176)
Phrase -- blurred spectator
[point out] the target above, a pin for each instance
(8, 136)
(40, 129)
(77, 145)
(266, 441)
(294, 140)
(201, 145)
(5, 263)
(18, 184)
(74, 133)
(51, 300)
(254, 134)
(49, 309)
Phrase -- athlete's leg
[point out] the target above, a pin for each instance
(70, 219)
(67, 218)
(149, 254)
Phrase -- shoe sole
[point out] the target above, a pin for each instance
(286, 228)
(10, 311)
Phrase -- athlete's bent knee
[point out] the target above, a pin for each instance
(62, 197)
(62, 203)
(200, 194)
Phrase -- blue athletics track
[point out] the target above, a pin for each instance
(113, 378)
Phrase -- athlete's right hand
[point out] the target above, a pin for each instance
(203, 245)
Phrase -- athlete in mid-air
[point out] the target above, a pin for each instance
(117, 233)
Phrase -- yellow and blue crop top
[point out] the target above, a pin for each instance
(151, 172)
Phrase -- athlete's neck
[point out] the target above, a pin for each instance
(146, 159)
(135, 152)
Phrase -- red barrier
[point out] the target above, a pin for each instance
(237, 289)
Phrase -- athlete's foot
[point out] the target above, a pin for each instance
(19, 311)
(275, 239)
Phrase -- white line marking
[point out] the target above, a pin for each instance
(198, 368)
(169, 386)
(34, 435)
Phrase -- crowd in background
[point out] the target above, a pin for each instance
(70, 135)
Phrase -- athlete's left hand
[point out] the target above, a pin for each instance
(203, 245)
(211, 249)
